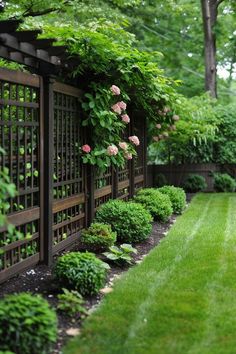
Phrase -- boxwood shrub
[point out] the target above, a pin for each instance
(177, 197)
(79, 271)
(131, 221)
(224, 183)
(27, 324)
(158, 204)
(98, 237)
(194, 183)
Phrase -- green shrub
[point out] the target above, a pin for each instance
(158, 204)
(194, 183)
(71, 302)
(79, 271)
(224, 183)
(177, 197)
(160, 180)
(129, 220)
(27, 324)
(98, 237)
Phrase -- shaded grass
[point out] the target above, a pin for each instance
(181, 298)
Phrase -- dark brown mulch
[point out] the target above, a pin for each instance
(39, 280)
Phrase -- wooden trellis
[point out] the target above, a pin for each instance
(40, 131)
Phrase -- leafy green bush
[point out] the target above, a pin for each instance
(158, 204)
(160, 180)
(224, 183)
(177, 197)
(98, 237)
(194, 183)
(120, 255)
(27, 324)
(71, 302)
(79, 271)
(129, 220)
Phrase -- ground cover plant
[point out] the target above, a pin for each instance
(27, 324)
(177, 197)
(131, 221)
(189, 291)
(158, 204)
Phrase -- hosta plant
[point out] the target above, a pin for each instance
(121, 255)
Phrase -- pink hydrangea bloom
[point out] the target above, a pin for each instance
(86, 148)
(112, 150)
(175, 117)
(123, 145)
(158, 126)
(166, 109)
(128, 156)
(134, 139)
(173, 127)
(122, 105)
(116, 108)
(125, 118)
(115, 90)
(155, 138)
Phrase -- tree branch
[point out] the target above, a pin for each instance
(30, 13)
(219, 2)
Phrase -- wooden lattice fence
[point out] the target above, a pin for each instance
(40, 130)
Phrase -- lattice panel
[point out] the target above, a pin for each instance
(19, 137)
(124, 182)
(103, 188)
(68, 170)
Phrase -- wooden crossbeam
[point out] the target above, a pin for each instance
(9, 26)
(27, 36)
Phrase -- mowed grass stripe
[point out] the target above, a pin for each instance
(164, 304)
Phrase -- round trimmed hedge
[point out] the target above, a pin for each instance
(224, 183)
(98, 237)
(131, 221)
(177, 197)
(79, 271)
(27, 324)
(158, 204)
(194, 183)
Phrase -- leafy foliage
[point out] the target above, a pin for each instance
(98, 237)
(71, 302)
(194, 183)
(156, 203)
(160, 180)
(224, 183)
(120, 255)
(177, 197)
(27, 324)
(81, 271)
(130, 221)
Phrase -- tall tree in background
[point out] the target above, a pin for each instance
(209, 16)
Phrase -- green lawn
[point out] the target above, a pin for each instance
(181, 298)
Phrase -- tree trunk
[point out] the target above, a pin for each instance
(209, 16)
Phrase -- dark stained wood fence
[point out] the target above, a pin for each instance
(40, 130)
(176, 174)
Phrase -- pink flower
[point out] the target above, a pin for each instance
(116, 108)
(166, 109)
(175, 117)
(123, 145)
(112, 150)
(158, 126)
(134, 139)
(115, 90)
(125, 118)
(128, 156)
(155, 138)
(122, 105)
(173, 127)
(86, 148)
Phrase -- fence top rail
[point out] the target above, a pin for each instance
(19, 77)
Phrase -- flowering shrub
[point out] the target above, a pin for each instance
(177, 197)
(130, 221)
(157, 204)
(109, 120)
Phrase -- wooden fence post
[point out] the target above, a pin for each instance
(114, 183)
(47, 172)
(90, 194)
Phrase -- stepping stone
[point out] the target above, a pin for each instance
(73, 332)
(106, 290)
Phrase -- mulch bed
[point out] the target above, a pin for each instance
(39, 280)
